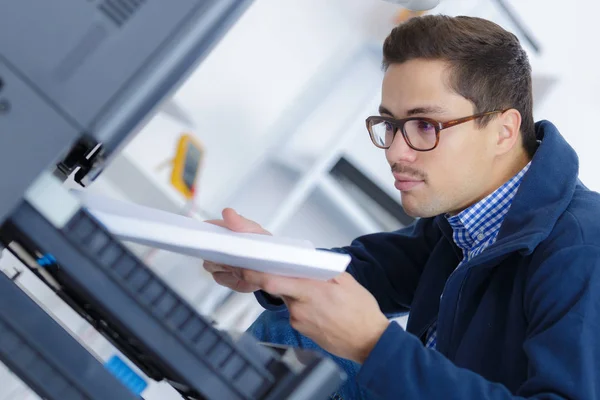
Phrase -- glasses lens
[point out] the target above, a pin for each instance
(420, 134)
(382, 133)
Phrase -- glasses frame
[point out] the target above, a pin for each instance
(398, 124)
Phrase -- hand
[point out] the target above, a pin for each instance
(227, 275)
(340, 315)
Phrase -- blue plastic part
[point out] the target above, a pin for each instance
(46, 260)
(126, 375)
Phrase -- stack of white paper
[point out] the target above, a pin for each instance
(177, 233)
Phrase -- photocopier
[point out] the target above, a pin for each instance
(78, 78)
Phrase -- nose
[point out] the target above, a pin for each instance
(400, 151)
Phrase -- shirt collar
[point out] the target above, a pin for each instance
(480, 223)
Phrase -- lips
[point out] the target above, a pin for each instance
(404, 186)
(405, 183)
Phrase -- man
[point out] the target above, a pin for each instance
(501, 272)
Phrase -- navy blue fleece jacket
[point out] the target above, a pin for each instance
(520, 320)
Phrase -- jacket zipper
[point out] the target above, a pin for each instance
(457, 301)
(426, 328)
(436, 317)
(456, 309)
(462, 284)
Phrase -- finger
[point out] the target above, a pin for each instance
(225, 279)
(298, 314)
(288, 301)
(237, 223)
(218, 222)
(228, 280)
(276, 285)
(214, 267)
(343, 279)
(295, 320)
(253, 277)
(237, 272)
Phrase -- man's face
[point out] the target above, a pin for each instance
(454, 175)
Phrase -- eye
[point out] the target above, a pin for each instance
(389, 127)
(425, 126)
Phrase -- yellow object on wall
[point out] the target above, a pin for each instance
(186, 165)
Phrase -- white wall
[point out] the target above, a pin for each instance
(569, 35)
(238, 94)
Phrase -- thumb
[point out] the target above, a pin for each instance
(235, 222)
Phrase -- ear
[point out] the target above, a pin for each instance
(509, 136)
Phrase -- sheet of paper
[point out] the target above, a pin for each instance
(181, 234)
(111, 206)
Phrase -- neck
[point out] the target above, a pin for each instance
(506, 169)
(502, 171)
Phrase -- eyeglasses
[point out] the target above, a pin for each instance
(420, 134)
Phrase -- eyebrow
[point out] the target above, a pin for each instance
(415, 111)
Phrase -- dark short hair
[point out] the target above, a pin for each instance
(488, 66)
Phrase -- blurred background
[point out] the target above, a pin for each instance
(278, 111)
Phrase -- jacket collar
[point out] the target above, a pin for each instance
(545, 193)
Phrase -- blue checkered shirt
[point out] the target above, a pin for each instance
(476, 228)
